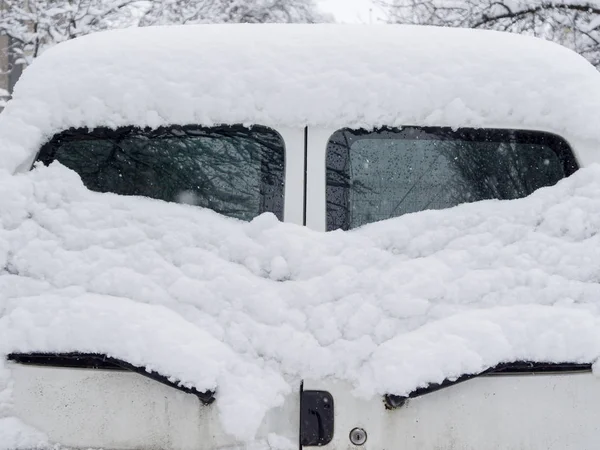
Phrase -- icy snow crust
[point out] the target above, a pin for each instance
(298, 75)
(249, 309)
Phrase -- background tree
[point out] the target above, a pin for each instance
(34, 25)
(28, 27)
(232, 11)
(572, 23)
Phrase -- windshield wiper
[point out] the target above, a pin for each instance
(103, 362)
(393, 401)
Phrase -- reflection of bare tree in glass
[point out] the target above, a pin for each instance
(419, 168)
(498, 170)
(340, 182)
(235, 171)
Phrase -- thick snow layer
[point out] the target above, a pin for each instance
(14, 434)
(297, 75)
(252, 308)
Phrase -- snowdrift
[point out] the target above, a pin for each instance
(250, 309)
(327, 76)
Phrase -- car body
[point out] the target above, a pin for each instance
(345, 115)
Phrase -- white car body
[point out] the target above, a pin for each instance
(123, 410)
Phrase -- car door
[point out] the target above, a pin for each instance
(81, 404)
(525, 410)
(520, 405)
(89, 400)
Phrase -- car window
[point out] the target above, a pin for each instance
(233, 170)
(384, 173)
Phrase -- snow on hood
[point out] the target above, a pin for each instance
(249, 309)
(298, 75)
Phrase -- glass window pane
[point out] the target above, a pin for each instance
(385, 173)
(233, 170)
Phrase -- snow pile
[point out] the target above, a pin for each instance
(250, 309)
(14, 434)
(298, 75)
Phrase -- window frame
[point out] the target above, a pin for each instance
(318, 141)
(291, 138)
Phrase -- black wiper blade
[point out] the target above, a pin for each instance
(393, 401)
(70, 360)
(103, 362)
(536, 368)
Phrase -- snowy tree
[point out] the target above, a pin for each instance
(28, 27)
(573, 23)
(33, 25)
(237, 11)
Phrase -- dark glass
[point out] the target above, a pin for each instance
(233, 170)
(376, 175)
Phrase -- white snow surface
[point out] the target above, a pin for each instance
(250, 309)
(14, 434)
(297, 75)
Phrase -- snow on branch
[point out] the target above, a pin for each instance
(572, 23)
(36, 25)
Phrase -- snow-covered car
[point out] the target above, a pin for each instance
(189, 259)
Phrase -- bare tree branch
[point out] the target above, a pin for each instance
(574, 24)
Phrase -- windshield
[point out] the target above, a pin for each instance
(389, 172)
(233, 170)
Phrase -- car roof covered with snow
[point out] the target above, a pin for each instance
(248, 309)
(299, 75)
